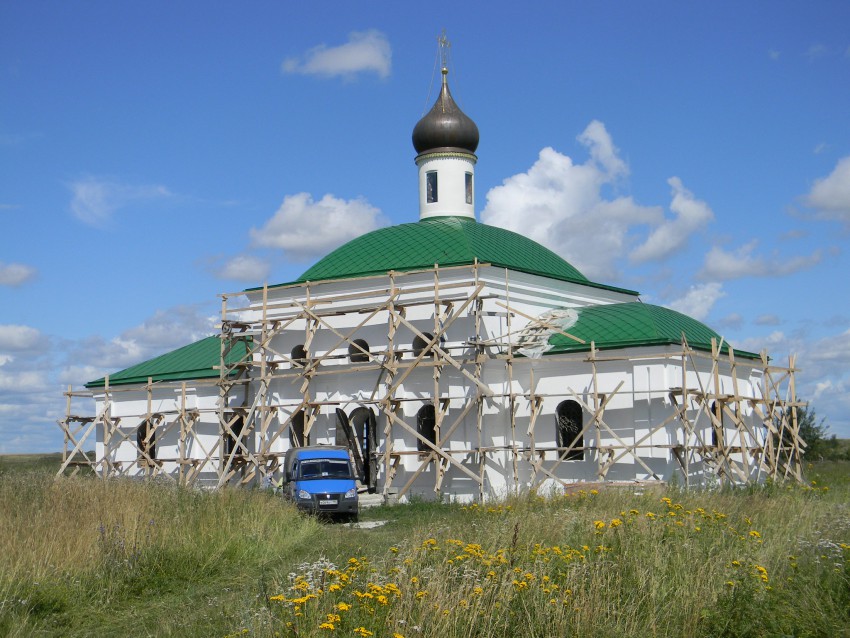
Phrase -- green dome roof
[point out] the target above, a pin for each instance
(624, 325)
(447, 241)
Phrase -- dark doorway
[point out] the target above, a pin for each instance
(233, 439)
(146, 440)
(357, 432)
(297, 437)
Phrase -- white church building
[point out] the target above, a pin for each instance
(457, 360)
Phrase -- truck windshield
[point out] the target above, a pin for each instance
(325, 468)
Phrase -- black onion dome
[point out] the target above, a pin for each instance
(445, 126)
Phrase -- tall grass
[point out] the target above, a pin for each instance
(83, 552)
(616, 564)
(83, 557)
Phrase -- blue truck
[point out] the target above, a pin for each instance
(320, 480)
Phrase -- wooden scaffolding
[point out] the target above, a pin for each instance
(752, 435)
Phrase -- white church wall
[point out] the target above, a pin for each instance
(130, 407)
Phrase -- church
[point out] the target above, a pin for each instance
(455, 360)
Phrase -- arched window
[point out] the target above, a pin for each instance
(568, 419)
(426, 425)
(233, 438)
(146, 440)
(299, 355)
(296, 430)
(355, 351)
(431, 186)
(419, 344)
(716, 429)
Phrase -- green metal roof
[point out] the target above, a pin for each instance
(447, 241)
(196, 361)
(632, 324)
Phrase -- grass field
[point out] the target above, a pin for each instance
(83, 557)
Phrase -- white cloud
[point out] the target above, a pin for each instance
(365, 51)
(164, 331)
(79, 375)
(824, 379)
(36, 370)
(15, 274)
(830, 195)
(768, 320)
(306, 229)
(699, 300)
(721, 265)
(16, 338)
(172, 328)
(23, 382)
(559, 204)
(777, 344)
(833, 350)
(602, 150)
(95, 200)
(794, 234)
(815, 51)
(672, 235)
(244, 268)
(732, 321)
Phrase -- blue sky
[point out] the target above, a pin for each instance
(156, 154)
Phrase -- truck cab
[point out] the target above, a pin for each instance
(320, 480)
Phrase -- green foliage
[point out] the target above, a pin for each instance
(820, 445)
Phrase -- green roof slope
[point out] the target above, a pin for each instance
(196, 361)
(447, 241)
(632, 324)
